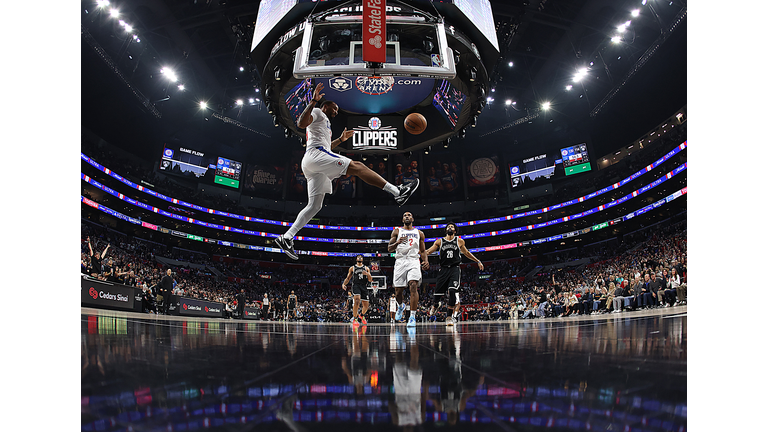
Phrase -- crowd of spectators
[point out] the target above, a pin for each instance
(645, 270)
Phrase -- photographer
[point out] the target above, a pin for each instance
(147, 300)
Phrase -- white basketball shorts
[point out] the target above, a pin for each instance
(320, 166)
(406, 270)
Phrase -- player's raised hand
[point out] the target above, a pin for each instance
(316, 96)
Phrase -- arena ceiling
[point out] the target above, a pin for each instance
(130, 103)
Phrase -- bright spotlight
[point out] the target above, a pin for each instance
(114, 13)
(242, 68)
(621, 28)
(511, 64)
(181, 87)
(239, 102)
(102, 3)
(122, 23)
(636, 12)
(616, 39)
(169, 73)
(250, 101)
(203, 105)
(128, 28)
(644, 2)
(545, 105)
(508, 102)
(568, 87)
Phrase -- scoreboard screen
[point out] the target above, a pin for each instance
(575, 159)
(184, 162)
(228, 172)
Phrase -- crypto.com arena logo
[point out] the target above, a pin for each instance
(93, 293)
(374, 85)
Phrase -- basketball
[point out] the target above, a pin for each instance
(415, 123)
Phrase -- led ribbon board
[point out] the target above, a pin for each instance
(594, 194)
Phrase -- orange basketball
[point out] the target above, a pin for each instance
(415, 123)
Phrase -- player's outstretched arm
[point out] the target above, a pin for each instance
(468, 254)
(435, 246)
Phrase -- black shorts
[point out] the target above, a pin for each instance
(448, 278)
(360, 290)
(291, 307)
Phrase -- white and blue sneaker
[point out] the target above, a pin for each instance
(411, 321)
(399, 313)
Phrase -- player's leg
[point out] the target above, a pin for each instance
(441, 290)
(400, 281)
(355, 308)
(413, 287)
(366, 303)
(401, 193)
(305, 215)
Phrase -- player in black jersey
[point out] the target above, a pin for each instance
(292, 305)
(450, 249)
(360, 275)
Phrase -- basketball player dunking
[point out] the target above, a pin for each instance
(449, 279)
(408, 244)
(360, 276)
(321, 165)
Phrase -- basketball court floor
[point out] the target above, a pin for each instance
(613, 372)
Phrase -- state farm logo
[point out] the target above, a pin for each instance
(374, 85)
(340, 83)
(93, 293)
(375, 41)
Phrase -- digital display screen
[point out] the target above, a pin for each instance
(480, 14)
(228, 172)
(270, 13)
(575, 159)
(449, 101)
(538, 167)
(184, 162)
(298, 98)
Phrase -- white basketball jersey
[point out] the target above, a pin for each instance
(319, 131)
(409, 249)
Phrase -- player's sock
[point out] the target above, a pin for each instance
(389, 187)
